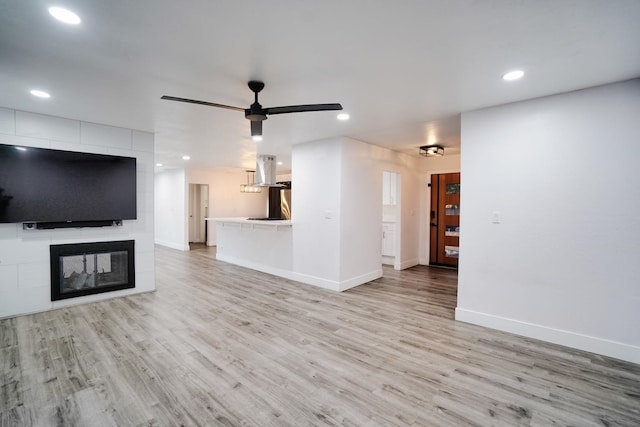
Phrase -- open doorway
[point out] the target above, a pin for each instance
(391, 219)
(198, 212)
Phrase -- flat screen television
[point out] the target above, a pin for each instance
(52, 186)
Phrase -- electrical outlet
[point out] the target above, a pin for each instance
(496, 217)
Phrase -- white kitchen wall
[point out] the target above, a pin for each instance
(225, 198)
(24, 255)
(562, 264)
(171, 209)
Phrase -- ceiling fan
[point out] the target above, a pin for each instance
(256, 114)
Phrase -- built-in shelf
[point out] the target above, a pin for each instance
(452, 210)
(451, 251)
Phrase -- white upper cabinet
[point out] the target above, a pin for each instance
(389, 188)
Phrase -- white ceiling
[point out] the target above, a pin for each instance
(404, 70)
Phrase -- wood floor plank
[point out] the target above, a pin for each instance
(219, 344)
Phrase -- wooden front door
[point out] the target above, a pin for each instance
(445, 219)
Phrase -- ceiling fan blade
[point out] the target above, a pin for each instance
(302, 108)
(194, 101)
(256, 128)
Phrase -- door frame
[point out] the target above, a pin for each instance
(201, 210)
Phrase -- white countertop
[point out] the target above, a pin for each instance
(244, 220)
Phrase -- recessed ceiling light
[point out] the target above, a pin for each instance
(513, 75)
(279, 163)
(257, 138)
(40, 93)
(158, 164)
(343, 116)
(21, 149)
(186, 157)
(64, 15)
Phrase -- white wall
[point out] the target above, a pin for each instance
(360, 213)
(337, 211)
(225, 198)
(563, 265)
(315, 211)
(24, 255)
(409, 214)
(171, 209)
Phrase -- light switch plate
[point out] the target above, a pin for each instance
(496, 217)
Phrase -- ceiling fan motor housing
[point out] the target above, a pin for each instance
(255, 113)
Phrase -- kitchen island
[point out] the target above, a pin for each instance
(257, 244)
(268, 246)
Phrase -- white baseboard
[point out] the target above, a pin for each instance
(320, 282)
(287, 274)
(331, 285)
(359, 280)
(172, 245)
(335, 285)
(596, 345)
(405, 264)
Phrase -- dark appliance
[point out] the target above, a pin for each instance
(48, 187)
(280, 201)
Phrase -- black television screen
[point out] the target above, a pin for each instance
(43, 185)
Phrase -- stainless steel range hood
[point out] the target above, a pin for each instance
(266, 171)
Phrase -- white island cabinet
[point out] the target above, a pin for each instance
(260, 245)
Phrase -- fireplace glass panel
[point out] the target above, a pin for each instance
(93, 270)
(90, 268)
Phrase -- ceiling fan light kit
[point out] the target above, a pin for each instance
(431, 150)
(256, 114)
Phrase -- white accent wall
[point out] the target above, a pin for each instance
(171, 189)
(24, 255)
(563, 265)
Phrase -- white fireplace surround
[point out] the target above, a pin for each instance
(24, 254)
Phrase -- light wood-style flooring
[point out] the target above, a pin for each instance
(221, 345)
